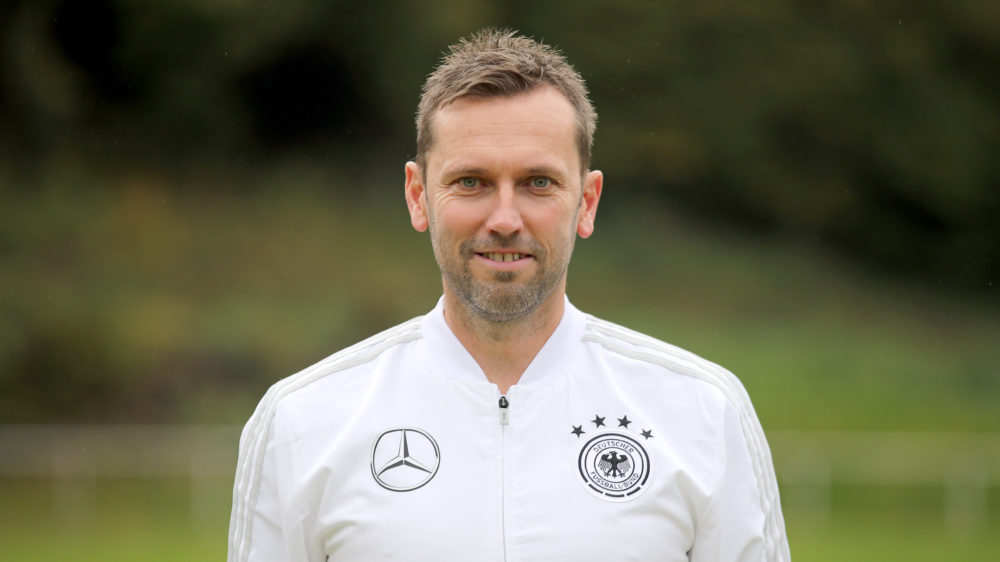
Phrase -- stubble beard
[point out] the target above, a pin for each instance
(501, 299)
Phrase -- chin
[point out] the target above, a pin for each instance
(498, 305)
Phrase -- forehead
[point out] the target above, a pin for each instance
(532, 129)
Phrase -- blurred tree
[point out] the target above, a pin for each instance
(866, 127)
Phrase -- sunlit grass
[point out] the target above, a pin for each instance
(161, 521)
(98, 520)
(900, 536)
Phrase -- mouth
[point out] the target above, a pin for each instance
(503, 256)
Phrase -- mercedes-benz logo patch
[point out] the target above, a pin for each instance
(404, 459)
(614, 466)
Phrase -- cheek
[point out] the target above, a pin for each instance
(460, 216)
(452, 223)
(552, 222)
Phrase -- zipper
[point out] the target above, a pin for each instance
(504, 412)
(504, 405)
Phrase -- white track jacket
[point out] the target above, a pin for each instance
(613, 446)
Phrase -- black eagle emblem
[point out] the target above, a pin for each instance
(614, 466)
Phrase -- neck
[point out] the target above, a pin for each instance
(504, 349)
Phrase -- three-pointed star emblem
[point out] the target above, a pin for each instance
(404, 459)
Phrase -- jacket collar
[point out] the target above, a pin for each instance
(449, 357)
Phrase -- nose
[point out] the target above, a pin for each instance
(505, 217)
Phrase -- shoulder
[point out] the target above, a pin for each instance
(742, 433)
(337, 371)
(665, 359)
(363, 352)
(290, 403)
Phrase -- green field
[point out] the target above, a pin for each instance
(159, 521)
(140, 520)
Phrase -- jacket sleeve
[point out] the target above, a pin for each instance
(262, 528)
(743, 520)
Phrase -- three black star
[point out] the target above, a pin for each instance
(647, 433)
(624, 421)
(577, 430)
(598, 421)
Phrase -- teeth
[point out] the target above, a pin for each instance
(497, 256)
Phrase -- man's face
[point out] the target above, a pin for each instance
(504, 198)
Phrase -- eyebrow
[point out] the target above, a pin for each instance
(476, 171)
(464, 171)
(544, 171)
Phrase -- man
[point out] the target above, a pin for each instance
(505, 424)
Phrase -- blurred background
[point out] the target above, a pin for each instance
(199, 198)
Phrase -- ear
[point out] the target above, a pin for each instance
(416, 200)
(593, 182)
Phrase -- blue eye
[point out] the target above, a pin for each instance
(541, 183)
(469, 182)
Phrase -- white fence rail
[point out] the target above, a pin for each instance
(964, 465)
(73, 457)
(808, 463)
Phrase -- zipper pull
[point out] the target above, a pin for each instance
(504, 416)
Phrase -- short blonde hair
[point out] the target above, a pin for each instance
(501, 63)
